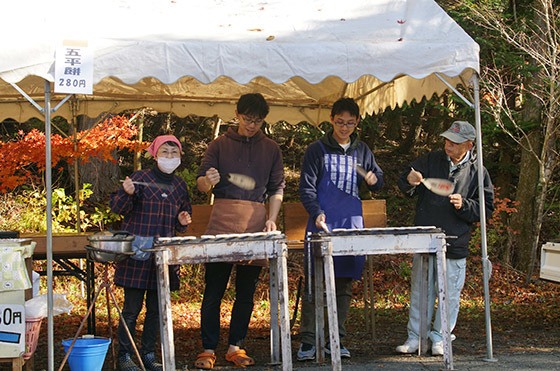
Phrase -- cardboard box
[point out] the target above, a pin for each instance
(550, 261)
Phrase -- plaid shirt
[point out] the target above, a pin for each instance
(150, 211)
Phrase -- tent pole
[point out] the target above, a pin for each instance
(454, 90)
(486, 264)
(48, 188)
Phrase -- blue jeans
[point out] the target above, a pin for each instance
(217, 278)
(455, 281)
(133, 303)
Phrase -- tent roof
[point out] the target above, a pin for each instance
(198, 56)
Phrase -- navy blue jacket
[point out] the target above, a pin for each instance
(313, 165)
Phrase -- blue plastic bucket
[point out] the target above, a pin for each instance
(87, 354)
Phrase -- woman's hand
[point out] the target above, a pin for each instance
(128, 186)
(184, 218)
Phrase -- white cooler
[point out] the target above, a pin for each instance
(550, 261)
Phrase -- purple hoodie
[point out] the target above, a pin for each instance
(258, 157)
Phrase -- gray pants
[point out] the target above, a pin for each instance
(343, 297)
(455, 281)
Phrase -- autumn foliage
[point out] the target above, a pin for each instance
(24, 160)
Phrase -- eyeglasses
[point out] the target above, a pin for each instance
(254, 121)
(349, 124)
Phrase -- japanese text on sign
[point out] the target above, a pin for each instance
(74, 68)
(9, 317)
(12, 329)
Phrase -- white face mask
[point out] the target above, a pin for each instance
(168, 165)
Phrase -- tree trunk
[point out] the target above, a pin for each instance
(102, 175)
(138, 155)
(411, 138)
(393, 131)
(503, 180)
(547, 77)
(537, 169)
(523, 220)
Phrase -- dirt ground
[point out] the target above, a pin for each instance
(508, 338)
(525, 319)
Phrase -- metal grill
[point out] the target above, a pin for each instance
(232, 237)
(375, 241)
(221, 247)
(380, 231)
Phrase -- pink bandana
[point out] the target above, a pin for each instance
(153, 148)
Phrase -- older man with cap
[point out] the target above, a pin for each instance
(454, 214)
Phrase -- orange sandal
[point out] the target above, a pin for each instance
(240, 358)
(205, 361)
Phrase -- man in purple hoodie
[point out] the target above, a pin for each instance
(245, 150)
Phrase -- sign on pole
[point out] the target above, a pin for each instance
(73, 71)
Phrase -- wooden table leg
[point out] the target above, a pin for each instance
(331, 308)
(274, 316)
(444, 309)
(17, 364)
(319, 307)
(366, 275)
(371, 295)
(423, 268)
(165, 316)
(284, 309)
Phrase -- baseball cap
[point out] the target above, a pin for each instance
(459, 132)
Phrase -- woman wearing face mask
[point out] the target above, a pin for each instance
(159, 209)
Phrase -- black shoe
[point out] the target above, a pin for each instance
(344, 353)
(127, 364)
(150, 363)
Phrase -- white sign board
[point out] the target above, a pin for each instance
(12, 330)
(73, 72)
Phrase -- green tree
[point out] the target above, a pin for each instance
(521, 93)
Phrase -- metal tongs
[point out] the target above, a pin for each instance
(166, 187)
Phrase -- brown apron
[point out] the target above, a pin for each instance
(237, 216)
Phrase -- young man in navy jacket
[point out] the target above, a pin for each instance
(329, 190)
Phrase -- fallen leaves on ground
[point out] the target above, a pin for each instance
(524, 316)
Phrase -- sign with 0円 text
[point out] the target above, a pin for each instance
(12, 330)
(73, 73)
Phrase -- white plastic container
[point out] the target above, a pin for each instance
(550, 261)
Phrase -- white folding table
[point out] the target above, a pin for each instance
(377, 241)
(228, 248)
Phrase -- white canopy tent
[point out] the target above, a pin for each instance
(199, 56)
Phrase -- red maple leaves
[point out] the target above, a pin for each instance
(24, 159)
